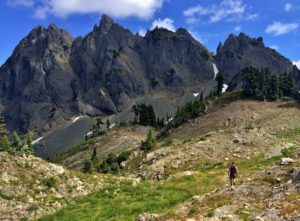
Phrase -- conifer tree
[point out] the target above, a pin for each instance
(107, 124)
(16, 141)
(29, 146)
(149, 143)
(220, 81)
(5, 144)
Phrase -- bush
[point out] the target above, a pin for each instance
(112, 162)
(210, 214)
(149, 143)
(123, 156)
(115, 168)
(50, 182)
(88, 166)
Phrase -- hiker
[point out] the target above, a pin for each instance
(232, 172)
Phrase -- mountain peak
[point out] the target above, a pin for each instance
(106, 23)
(183, 31)
(53, 27)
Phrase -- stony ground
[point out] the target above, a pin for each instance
(241, 130)
(115, 141)
(31, 187)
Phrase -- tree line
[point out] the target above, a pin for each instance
(262, 84)
(14, 144)
(145, 115)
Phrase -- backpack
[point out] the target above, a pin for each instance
(232, 169)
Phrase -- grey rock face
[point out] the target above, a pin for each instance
(35, 82)
(239, 52)
(51, 76)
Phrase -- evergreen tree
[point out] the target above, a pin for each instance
(201, 96)
(151, 116)
(3, 129)
(149, 143)
(94, 158)
(220, 81)
(274, 88)
(16, 141)
(5, 144)
(288, 85)
(88, 166)
(135, 110)
(28, 149)
(107, 124)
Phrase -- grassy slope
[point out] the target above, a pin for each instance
(126, 201)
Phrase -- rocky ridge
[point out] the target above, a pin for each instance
(52, 77)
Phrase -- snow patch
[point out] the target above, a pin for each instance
(37, 140)
(102, 92)
(89, 133)
(111, 126)
(216, 71)
(196, 94)
(225, 86)
(170, 120)
(76, 119)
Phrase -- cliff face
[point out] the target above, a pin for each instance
(35, 82)
(239, 52)
(51, 76)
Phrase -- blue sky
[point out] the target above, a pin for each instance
(210, 21)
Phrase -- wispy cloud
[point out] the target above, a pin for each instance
(278, 28)
(163, 23)
(297, 63)
(288, 7)
(142, 32)
(228, 10)
(116, 8)
(238, 28)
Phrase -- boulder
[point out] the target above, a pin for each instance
(148, 217)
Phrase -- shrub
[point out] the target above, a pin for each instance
(149, 143)
(50, 182)
(210, 214)
(123, 156)
(88, 166)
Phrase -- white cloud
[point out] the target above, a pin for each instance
(288, 7)
(238, 28)
(116, 8)
(251, 17)
(278, 28)
(192, 20)
(142, 32)
(297, 63)
(229, 10)
(275, 47)
(163, 23)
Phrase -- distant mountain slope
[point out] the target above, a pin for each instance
(239, 52)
